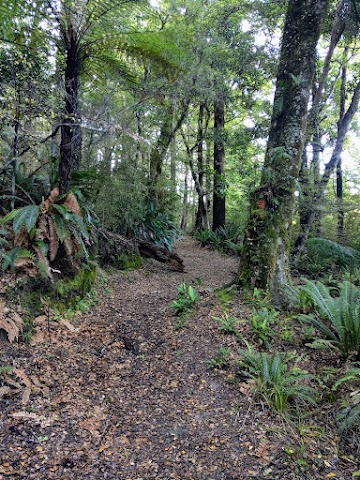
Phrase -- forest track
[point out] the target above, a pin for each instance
(129, 396)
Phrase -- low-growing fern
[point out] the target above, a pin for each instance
(336, 317)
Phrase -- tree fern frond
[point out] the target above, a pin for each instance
(60, 227)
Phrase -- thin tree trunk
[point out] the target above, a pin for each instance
(219, 163)
(307, 216)
(201, 214)
(15, 154)
(339, 196)
(173, 154)
(343, 127)
(339, 175)
(161, 146)
(71, 135)
(184, 218)
(265, 256)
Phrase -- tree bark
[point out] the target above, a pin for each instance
(15, 154)
(184, 218)
(201, 220)
(158, 152)
(265, 256)
(71, 135)
(219, 163)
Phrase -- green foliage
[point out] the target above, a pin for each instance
(276, 381)
(258, 297)
(39, 231)
(261, 322)
(226, 239)
(5, 369)
(227, 324)
(185, 300)
(323, 256)
(226, 296)
(349, 416)
(9, 258)
(336, 317)
(157, 226)
(221, 359)
(353, 276)
(71, 292)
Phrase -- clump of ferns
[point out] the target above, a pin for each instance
(42, 233)
(275, 381)
(336, 315)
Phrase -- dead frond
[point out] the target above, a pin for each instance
(12, 323)
(53, 239)
(72, 204)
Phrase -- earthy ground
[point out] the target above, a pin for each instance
(127, 395)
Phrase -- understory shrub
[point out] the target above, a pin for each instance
(349, 416)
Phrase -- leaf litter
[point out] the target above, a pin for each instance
(79, 404)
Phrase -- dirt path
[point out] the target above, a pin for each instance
(153, 411)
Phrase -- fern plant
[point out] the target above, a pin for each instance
(275, 381)
(336, 317)
(227, 324)
(349, 417)
(186, 298)
(324, 255)
(225, 239)
(41, 230)
(261, 322)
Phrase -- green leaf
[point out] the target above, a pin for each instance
(61, 227)
(26, 216)
(10, 216)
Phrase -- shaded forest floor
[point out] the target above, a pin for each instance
(125, 394)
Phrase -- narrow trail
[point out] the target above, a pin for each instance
(154, 411)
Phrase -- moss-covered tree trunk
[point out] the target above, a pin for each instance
(265, 256)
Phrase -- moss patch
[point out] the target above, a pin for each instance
(68, 293)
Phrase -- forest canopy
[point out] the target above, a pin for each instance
(159, 116)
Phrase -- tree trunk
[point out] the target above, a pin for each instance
(184, 218)
(219, 163)
(339, 196)
(265, 256)
(317, 200)
(309, 213)
(71, 135)
(161, 146)
(15, 154)
(201, 220)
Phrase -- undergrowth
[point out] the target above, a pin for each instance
(226, 239)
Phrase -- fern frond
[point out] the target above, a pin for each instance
(342, 313)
